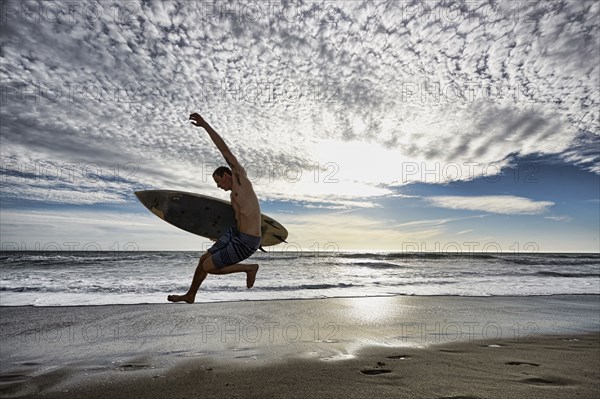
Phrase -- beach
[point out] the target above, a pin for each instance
(365, 199)
(396, 346)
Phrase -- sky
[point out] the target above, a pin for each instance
(364, 125)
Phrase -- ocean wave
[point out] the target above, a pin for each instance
(306, 287)
(120, 277)
(422, 256)
(378, 265)
(96, 289)
(559, 274)
(429, 282)
(64, 258)
(548, 261)
(595, 257)
(265, 257)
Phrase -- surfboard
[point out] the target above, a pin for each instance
(204, 216)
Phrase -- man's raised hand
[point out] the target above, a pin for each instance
(197, 120)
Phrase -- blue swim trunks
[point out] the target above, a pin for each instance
(233, 247)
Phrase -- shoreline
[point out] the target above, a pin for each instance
(105, 350)
(200, 302)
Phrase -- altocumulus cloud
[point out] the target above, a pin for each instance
(505, 204)
(108, 83)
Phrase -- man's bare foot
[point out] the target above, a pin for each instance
(251, 276)
(180, 298)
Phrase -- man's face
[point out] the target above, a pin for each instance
(223, 182)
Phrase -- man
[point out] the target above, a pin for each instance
(239, 242)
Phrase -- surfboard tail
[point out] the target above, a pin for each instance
(280, 238)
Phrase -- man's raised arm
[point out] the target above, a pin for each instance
(232, 161)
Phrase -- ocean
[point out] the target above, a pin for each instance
(101, 278)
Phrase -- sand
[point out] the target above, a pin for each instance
(384, 347)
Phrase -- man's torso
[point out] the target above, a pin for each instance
(245, 205)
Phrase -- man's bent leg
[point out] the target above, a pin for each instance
(249, 269)
(199, 276)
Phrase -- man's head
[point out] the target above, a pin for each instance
(222, 176)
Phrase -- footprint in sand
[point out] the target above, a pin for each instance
(461, 397)
(545, 381)
(401, 357)
(134, 366)
(452, 351)
(521, 363)
(375, 371)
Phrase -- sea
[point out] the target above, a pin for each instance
(102, 278)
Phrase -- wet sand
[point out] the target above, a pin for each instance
(389, 347)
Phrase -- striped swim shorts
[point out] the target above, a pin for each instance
(233, 247)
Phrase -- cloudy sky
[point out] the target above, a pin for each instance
(364, 125)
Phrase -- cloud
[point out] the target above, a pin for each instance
(464, 232)
(433, 222)
(76, 230)
(345, 231)
(370, 87)
(558, 218)
(504, 204)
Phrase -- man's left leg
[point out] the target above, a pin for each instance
(199, 276)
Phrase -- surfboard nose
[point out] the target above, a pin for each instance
(139, 195)
(151, 198)
(146, 197)
(154, 200)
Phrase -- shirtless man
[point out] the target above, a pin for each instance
(239, 242)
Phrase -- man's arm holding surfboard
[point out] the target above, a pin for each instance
(232, 161)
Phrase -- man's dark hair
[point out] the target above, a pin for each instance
(222, 170)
